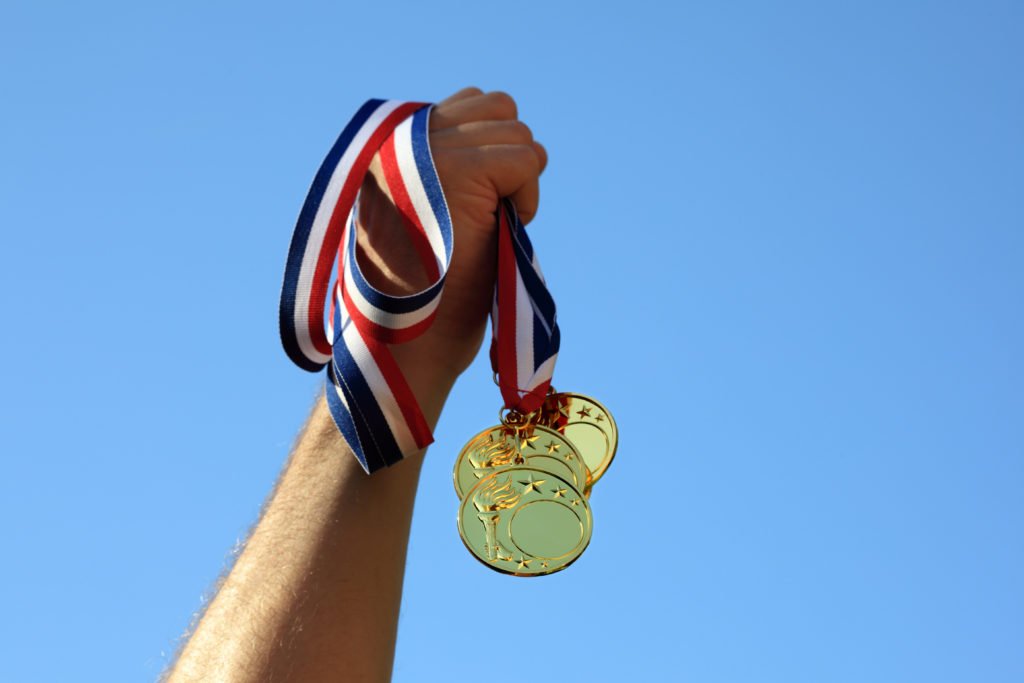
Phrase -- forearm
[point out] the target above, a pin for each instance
(316, 592)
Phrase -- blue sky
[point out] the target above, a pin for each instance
(787, 243)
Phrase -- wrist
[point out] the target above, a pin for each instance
(429, 380)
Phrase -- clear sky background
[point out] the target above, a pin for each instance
(787, 243)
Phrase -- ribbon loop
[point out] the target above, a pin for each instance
(368, 396)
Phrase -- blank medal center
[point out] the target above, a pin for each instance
(546, 529)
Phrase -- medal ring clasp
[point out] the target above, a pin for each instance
(511, 417)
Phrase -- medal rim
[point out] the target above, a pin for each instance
(587, 475)
(588, 530)
(606, 461)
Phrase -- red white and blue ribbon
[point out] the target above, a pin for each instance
(368, 396)
(524, 331)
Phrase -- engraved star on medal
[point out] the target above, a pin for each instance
(531, 484)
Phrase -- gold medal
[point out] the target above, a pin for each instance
(525, 521)
(587, 424)
(524, 485)
(506, 446)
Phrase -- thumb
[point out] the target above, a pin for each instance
(506, 168)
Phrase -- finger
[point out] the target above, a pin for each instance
(526, 199)
(542, 154)
(461, 95)
(508, 168)
(492, 106)
(481, 133)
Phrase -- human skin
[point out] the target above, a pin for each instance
(315, 594)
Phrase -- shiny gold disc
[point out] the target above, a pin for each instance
(588, 425)
(525, 521)
(502, 446)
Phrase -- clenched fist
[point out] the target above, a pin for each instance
(482, 152)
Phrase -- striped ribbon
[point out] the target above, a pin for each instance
(368, 396)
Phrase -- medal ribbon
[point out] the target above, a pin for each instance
(524, 331)
(368, 396)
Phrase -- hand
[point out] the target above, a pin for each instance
(482, 153)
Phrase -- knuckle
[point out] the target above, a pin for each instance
(530, 153)
(520, 131)
(525, 159)
(503, 103)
